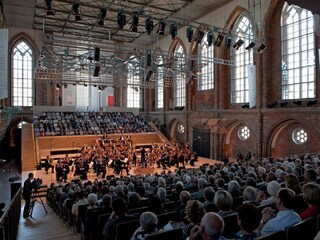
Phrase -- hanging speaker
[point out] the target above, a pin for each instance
(96, 54)
(96, 71)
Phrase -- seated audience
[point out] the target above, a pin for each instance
(250, 195)
(223, 200)
(148, 225)
(292, 182)
(272, 189)
(194, 212)
(155, 205)
(311, 195)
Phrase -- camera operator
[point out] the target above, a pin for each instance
(27, 192)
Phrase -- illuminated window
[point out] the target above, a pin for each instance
(299, 136)
(22, 63)
(244, 133)
(242, 58)
(205, 66)
(21, 123)
(133, 89)
(181, 128)
(180, 80)
(298, 53)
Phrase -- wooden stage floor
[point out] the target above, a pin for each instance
(51, 177)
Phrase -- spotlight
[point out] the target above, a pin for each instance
(272, 104)
(200, 36)
(210, 38)
(85, 85)
(189, 33)
(162, 26)
(76, 11)
(96, 55)
(245, 105)
(228, 41)
(149, 25)
(50, 10)
(219, 40)
(74, 84)
(102, 16)
(58, 86)
(65, 85)
(173, 30)
(251, 45)
(135, 23)
(261, 48)
(299, 103)
(121, 20)
(283, 104)
(312, 102)
(238, 44)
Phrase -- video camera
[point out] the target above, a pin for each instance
(37, 182)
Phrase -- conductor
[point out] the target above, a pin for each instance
(27, 192)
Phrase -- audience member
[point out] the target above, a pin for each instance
(311, 195)
(148, 225)
(223, 200)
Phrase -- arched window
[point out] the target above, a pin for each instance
(242, 58)
(159, 81)
(205, 65)
(22, 58)
(180, 81)
(298, 53)
(133, 79)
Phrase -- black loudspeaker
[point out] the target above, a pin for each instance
(15, 186)
(149, 75)
(96, 71)
(96, 54)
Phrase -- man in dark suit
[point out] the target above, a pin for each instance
(47, 165)
(27, 193)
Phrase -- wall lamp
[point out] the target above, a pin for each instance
(102, 16)
(76, 11)
(149, 25)
(50, 10)
(238, 44)
(161, 28)
(58, 86)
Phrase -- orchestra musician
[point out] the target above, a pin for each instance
(48, 164)
(62, 170)
(143, 157)
(101, 166)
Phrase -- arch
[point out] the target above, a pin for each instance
(13, 125)
(273, 136)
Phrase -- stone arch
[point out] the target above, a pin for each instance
(232, 143)
(280, 135)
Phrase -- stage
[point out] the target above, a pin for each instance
(51, 177)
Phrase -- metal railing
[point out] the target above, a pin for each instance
(9, 222)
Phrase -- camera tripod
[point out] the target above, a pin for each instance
(33, 202)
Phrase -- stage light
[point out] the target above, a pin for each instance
(121, 20)
(149, 25)
(76, 11)
(50, 10)
(135, 23)
(173, 30)
(189, 33)
(161, 28)
(102, 16)
(298, 103)
(251, 45)
(58, 86)
(96, 56)
(283, 104)
(245, 105)
(312, 102)
(272, 104)
(228, 41)
(238, 44)
(261, 48)
(200, 36)
(210, 38)
(218, 40)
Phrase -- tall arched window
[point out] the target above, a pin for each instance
(180, 81)
(205, 66)
(22, 57)
(133, 79)
(159, 81)
(298, 53)
(242, 58)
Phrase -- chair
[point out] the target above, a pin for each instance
(280, 235)
(299, 204)
(318, 222)
(138, 210)
(176, 234)
(237, 201)
(102, 219)
(170, 205)
(164, 218)
(305, 230)
(125, 230)
(230, 225)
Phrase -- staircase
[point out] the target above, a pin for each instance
(28, 158)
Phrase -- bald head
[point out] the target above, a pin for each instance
(212, 226)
